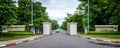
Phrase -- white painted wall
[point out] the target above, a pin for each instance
(106, 27)
(6, 28)
(46, 28)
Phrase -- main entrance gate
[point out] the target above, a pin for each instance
(71, 28)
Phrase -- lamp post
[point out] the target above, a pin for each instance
(88, 17)
(87, 26)
(32, 28)
(32, 12)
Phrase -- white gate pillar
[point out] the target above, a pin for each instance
(73, 28)
(46, 28)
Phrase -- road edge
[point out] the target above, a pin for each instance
(22, 41)
(100, 39)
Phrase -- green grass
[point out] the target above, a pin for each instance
(14, 35)
(107, 36)
(103, 34)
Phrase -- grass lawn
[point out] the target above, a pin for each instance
(103, 34)
(106, 36)
(14, 35)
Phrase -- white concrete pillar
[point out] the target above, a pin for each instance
(46, 28)
(73, 28)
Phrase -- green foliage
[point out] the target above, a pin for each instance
(21, 33)
(64, 25)
(54, 24)
(21, 15)
(40, 15)
(14, 35)
(24, 12)
(8, 15)
(102, 12)
(73, 18)
(103, 34)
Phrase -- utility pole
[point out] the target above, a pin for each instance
(32, 25)
(88, 16)
(32, 12)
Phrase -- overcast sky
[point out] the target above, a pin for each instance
(57, 9)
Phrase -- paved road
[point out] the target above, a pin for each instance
(61, 40)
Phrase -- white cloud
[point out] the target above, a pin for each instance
(57, 9)
(56, 15)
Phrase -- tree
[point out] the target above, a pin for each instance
(21, 15)
(73, 18)
(8, 15)
(64, 25)
(54, 24)
(24, 12)
(102, 12)
(40, 15)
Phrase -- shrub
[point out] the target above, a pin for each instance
(15, 33)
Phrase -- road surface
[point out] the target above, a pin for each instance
(61, 40)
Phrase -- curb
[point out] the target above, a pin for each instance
(23, 41)
(100, 39)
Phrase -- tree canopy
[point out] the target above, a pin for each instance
(102, 12)
(73, 18)
(8, 13)
(21, 15)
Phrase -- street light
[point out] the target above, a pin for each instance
(32, 28)
(88, 19)
(32, 12)
(87, 28)
(88, 16)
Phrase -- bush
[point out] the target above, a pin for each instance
(103, 33)
(15, 33)
(20, 32)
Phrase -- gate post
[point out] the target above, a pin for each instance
(72, 28)
(46, 28)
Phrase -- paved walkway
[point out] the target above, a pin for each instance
(61, 40)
